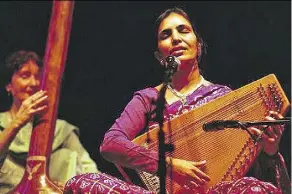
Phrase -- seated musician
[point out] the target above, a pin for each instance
(21, 79)
(176, 36)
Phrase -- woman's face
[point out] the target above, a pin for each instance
(25, 81)
(177, 38)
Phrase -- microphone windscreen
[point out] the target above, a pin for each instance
(172, 62)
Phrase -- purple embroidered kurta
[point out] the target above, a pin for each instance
(118, 148)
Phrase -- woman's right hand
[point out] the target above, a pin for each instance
(188, 173)
(31, 106)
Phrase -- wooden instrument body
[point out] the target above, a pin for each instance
(35, 179)
(230, 152)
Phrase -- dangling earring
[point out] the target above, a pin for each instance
(8, 89)
(199, 52)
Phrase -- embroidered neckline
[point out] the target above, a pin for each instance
(182, 97)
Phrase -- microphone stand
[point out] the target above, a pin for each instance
(161, 139)
(160, 106)
(222, 124)
(245, 125)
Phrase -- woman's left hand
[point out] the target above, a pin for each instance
(271, 136)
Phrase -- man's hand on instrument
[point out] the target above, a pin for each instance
(34, 104)
(270, 136)
(188, 173)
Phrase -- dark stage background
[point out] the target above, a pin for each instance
(111, 53)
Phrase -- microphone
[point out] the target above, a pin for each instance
(170, 62)
(221, 124)
(171, 67)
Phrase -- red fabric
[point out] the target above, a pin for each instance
(244, 185)
(101, 183)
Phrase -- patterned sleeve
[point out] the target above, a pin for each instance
(117, 145)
